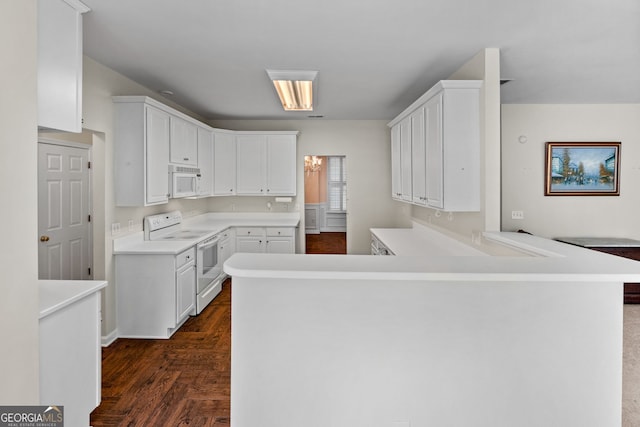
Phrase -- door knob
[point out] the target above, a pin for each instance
(44, 238)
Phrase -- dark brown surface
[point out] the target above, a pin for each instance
(326, 243)
(185, 380)
(631, 290)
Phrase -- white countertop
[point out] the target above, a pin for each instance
(554, 261)
(57, 294)
(422, 241)
(213, 222)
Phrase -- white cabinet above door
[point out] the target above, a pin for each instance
(60, 64)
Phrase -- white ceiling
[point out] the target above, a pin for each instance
(374, 57)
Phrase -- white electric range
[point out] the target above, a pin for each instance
(168, 226)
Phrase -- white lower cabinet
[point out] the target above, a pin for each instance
(185, 286)
(226, 245)
(155, 293)
(250, 239)
(280, 240)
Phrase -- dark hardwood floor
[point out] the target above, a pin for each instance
(326, 243)
(185, 380)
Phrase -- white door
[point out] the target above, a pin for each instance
(63, 213)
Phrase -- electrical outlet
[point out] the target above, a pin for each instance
(517, 215)
(115, 228)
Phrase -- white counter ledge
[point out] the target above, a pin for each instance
(568, 263)
(57, 294)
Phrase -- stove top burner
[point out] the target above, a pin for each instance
(182, 235)
(168, 226)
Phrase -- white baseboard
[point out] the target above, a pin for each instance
(108, 339)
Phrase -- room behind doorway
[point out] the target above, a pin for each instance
(325, 187)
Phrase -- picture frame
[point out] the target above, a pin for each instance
(582, 169)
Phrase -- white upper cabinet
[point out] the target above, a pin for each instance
(150, 135)
(266, 164)
(224, 164)
(396, 166)
(418, 157)
(184, 142)
(60, 64)
(405, 158)
(251, 172)
(443, 128)
(205, 161)
(141, 154)
(281, 165)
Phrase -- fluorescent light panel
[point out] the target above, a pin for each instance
(294, 88)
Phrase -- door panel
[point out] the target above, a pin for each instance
(63, 217)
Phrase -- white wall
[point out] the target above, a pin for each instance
(484, 66)
(366, 145)
(19, 308)
(523, 170)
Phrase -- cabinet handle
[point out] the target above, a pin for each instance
(261, 190)
(268, 190)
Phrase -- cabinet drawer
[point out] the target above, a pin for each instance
(226, 234)
(186, 257)
(280, 231)
(249, 231)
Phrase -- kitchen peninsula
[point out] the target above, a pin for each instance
(532, 339)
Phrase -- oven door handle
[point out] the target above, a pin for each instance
(208, 244)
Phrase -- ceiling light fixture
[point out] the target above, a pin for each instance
(296, 89)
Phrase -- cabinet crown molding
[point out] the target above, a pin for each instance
(438, 87)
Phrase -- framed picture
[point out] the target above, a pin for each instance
(582, 169)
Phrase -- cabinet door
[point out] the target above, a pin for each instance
(224, 164)
(250, 244)
(418, 159)
(405, 158)
(184, 142)
(205, 161)
(251, 164)
(157, 156)
(281, 165)
(185, 291)
(434, 153)
(60, 65)
(396, 165)
(280, 245)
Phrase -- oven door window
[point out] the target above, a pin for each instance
(210, 261)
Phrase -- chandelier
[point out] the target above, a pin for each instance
(312, 163)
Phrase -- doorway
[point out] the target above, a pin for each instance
(64, 224)
(325, 195)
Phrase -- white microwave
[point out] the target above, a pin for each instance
(183, 181)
